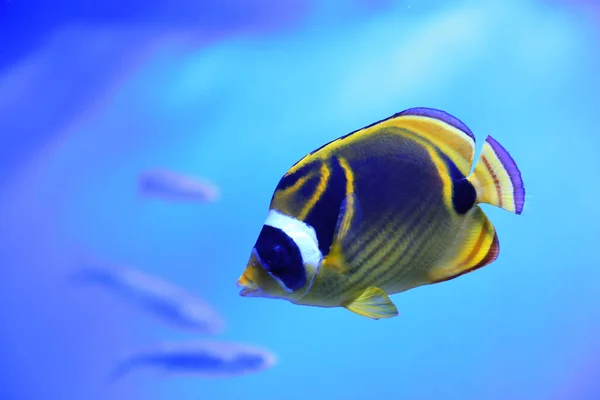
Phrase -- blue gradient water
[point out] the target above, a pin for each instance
(90, 96)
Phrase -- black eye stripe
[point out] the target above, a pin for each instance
(324, 214)
(281, 256)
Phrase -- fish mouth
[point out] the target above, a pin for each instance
(247, 281)
(248, 287)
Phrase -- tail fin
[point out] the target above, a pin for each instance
(497, 179)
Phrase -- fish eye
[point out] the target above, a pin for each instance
(278, 258)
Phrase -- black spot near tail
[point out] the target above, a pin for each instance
(463, 192)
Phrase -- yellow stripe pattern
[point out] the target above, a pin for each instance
(470, 247)
(290, 203)
(325, 173)
(457, 145)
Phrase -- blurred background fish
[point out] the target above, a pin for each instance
(170, 304)
(209, 359)
(175, 186)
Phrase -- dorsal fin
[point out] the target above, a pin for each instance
(442, 130)
(441, 115)
(445, 131)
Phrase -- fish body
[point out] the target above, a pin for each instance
(382, 210)
(165, 301)
(174, 186)
(200, 358)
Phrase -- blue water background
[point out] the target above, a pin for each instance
(236, 92)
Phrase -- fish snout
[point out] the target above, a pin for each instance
(250, 277)
(247, 285)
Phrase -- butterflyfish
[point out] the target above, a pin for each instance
(382, 210)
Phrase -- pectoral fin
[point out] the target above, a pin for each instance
(349, 218)
(373, 303)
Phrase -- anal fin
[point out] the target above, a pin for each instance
(475, 245)
(373, 303)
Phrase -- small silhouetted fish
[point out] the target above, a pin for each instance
(170, 303)
(175, 186)
(200, 358)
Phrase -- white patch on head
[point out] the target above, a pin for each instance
(302, 234)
